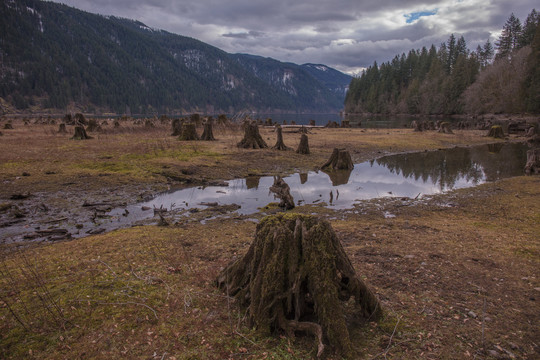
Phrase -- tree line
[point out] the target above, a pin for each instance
(452, 79)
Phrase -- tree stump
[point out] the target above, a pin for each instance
(417, 126)
(339, 160)
(311, 122)
(345, 123)
(208, 134)
(282, 192)
(252, 138)
(533, 161)
(331, 124)
(445, 128)
(189, 131)
(116, 124)
(303, 147)
(177, 127)
(496, 132)
(149, 124)
(280, 145)
(92, 125)
(80, 119)
(8, 126)
(296, 277)
(80, 134)
(62, 128)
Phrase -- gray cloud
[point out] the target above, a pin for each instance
(345, 34)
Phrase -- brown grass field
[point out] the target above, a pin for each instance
(457, 273)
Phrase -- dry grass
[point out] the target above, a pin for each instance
(148, 292)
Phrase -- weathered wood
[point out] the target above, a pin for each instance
(283, 192)
(296, 276)
(189, 131)
(533, 161)
(252, 138)
(62, 128)
(280, 145)
(208, 134)
(303, 146)
(80, 134)
(339, 160)
(496, 132)
(444, 127)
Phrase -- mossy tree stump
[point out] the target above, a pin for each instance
(283, 192)
(496, 131)
(296, 276)
(280, 145)
(208, 133)
(252, 138)
(339, 160)
(303, 147)
(80, 134)
(189, 131)
(533, 161)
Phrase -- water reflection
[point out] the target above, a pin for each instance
(405, 175)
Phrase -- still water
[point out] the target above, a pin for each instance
(411, 175)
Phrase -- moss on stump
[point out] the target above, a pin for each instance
(496, 132)
(296, 276)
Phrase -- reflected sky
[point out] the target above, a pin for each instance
(405, 175)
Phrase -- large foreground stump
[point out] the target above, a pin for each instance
(533, 161)
(252, 138)
(339, 160)
(303, 147)
(80, 134)
(296, 276)
(496, 132)
(283, 192)
(280, 145)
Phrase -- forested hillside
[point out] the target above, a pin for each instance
(57, 57)
(453, 79)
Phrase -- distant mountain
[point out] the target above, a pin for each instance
(57, 57)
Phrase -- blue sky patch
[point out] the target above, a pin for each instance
(417, 15)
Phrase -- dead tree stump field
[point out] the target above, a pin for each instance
(303, 147)
(252, 138)
(280, 145)
(339, 160)
(296, 276)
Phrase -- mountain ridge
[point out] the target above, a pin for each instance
(58, 57)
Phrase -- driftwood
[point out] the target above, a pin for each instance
(339, 160)
(252, 138)
(533, 161)
(80, 134)
(280, 145)
(496, 132)
(303, 147)
(283, 192)
(296, 277)
(189, 131)
(208, 134)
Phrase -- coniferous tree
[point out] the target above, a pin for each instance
(529, 29)
(508, 41)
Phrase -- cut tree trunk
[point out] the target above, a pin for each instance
(283, 192)
(80, 134)
(339, 160)
(92, 125)
(177, 127)
(62, 128)
(533, 161)
(445, 128)
(8, 126)
(496, 132)
(303, 147)
(208, 134)
(189, 131)
(417, 126)
(296, 276)
(345, 123)
(280, 145)
(252, 138)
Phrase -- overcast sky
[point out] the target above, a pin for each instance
(345, 34)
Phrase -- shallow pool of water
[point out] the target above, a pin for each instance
(411, 175)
